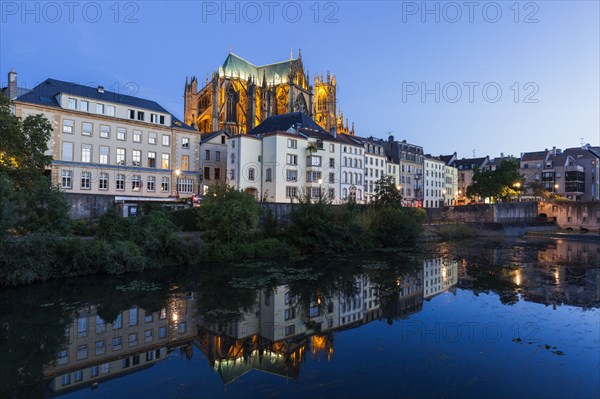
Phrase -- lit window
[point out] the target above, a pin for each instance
(185, 162)
(151, 159)
(165, 161)
(185, 142)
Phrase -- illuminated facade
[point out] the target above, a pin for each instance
(241, 95)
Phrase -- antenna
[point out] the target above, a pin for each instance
(582, 141)
(473, 153)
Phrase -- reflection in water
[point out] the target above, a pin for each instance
(256, 318)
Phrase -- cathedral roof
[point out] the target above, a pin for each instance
(282, 123)
(235, 65)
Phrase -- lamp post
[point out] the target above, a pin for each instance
(517, 185)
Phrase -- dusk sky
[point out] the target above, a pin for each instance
(543, 56)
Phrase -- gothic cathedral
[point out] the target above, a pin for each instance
(241, 95)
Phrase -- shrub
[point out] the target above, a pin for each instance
(185, 219)
(394, 227)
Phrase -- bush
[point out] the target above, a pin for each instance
(185, 219)
(395, 227)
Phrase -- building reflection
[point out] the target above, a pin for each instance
(98, 350)
(285, 324)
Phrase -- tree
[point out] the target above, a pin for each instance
(538, 189)
(387, 194)
(504, 182)
(28, 201)
(227, 214)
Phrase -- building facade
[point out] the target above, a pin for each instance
(213, 159)
(109, 144)
(435, 183)
(465, 169)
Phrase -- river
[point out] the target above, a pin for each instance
(514, 318)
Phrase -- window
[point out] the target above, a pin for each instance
(332, 162)
(137, 136)
(82, 327)
(291, 175)
(181, 328)
(100, 347)
(131, 114)
(153, 118)
(151, 138)
(86, 153)
(162, 332)
(133, 339)
(269, 174)
(67, 151)
(185, 162)
(151, 159)
(133, 317)
(104, 131)
(313, 192)
(121, 133)
(104, 154)
(150, 183)
(313, 160)
(86, 178)
(148, 336)
(100, 108)
(65, 379)
(84, 106)
(331, 147)
(166, 140)
(291, 192)
(207, 155)
(251, 174)
(223, 141)
(164, 184)
(120, 182)
(148, 318)
(290, 313)
(217, 155)
(290, 330)
(313, 176)
(165, 161)
(86, 128)
(121, 156)
(292, 159)
(68, 126)
(136, 158)
(103, 181)
(217, 173)
(332, 177)
(206, 174)
(185, 185)
(72, 103)
(104, 368)
(291, 143)
(78, 375)
(82, 352)
(136, 183)
(185, 142)
(117, 343)
(118, 322)
(140, 116)
(110, 110)
(161, 119)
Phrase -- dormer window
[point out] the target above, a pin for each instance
(110, 110)
(153, 118)
(140, 116)
(161, 119)
(131, 114)
(72, 103)
(100, 108)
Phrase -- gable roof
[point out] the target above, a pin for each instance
(46, 92)
(235, 65)
(210, 135)
(467, 163)
(284, 122)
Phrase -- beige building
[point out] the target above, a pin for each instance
(465, 169)
(122, 148)
(213, 159)
(97, 350)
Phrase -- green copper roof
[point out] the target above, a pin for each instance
(277, 72)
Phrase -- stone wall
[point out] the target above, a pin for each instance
(89, 206)
(572, 215)
(512, 212)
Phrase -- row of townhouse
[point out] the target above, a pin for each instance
(112, 145)
(573, 173)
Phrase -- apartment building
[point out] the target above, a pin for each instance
(412, 163)
(375, 164)
(465, 169)
(435, 182)
(108, 144)
(284, 157)
(213, 159)
(352, 169)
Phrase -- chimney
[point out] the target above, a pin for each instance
(554, 150)
(333, 132)
(501, 155)
(12, 85)
(100, 89)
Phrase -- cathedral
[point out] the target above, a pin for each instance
(240, 95)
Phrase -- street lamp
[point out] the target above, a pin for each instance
(517, 185)
(177, 173)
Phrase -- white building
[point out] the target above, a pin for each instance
(352, 168)
(284, 157)
(109, 144)
(375, 164)
(435, 183)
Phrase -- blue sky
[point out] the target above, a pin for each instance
(430, 73)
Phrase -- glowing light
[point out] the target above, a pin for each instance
(518, 278)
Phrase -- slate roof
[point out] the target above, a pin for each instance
(46, 92)
(533, 156)
(447, 158)
(467, 163)
(282, 123)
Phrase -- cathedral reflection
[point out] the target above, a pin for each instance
(282, 327)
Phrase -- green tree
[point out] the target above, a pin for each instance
(227, 214)
(504, 182)
(387, 193)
